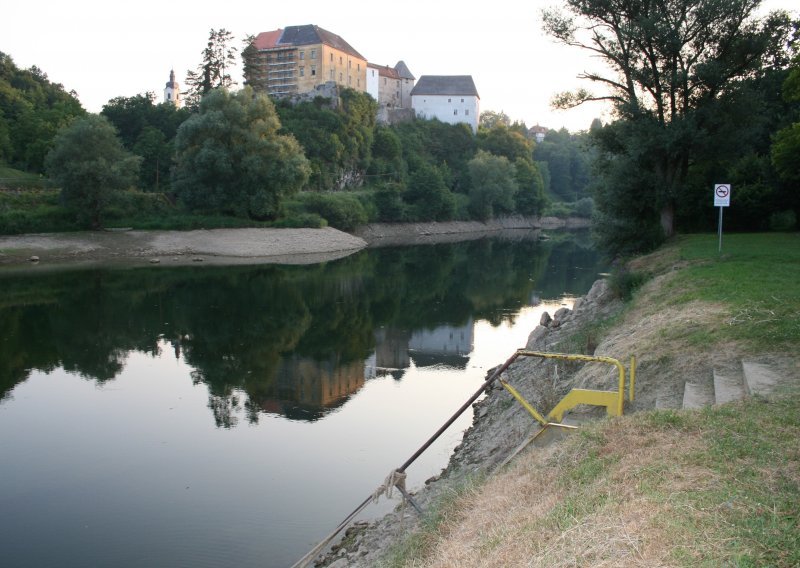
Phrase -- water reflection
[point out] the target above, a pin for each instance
(294, 341)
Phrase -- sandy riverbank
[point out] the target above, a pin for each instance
(243, 246)
(217, 246)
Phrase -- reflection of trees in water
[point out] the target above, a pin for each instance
(291, 340)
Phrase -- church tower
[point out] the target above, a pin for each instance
(172, 93)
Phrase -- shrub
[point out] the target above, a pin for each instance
(624, 282)
(343, 211)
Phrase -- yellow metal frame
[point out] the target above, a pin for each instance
(613, 401)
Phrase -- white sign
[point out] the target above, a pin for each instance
(722, 195)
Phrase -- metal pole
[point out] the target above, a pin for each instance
(719, 230)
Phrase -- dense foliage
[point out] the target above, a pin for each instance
(148, 130)
(230, 157)
(32, 109)
(89, 163)
(693, 86)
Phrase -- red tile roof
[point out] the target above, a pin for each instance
(268, 40)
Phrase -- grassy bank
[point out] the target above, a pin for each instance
(716, 487)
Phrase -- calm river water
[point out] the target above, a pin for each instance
(232, 416)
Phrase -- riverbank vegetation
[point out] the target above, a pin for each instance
(711, 97)
(710, 487)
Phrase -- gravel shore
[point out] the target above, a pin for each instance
(217, 246)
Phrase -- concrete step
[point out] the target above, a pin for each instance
(669, 396)
(698, 394)
(759, 379)
(728, 385)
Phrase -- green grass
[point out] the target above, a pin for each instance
(757, 277)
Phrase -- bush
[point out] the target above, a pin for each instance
(624, 282)
(390, 205)
(583, 207)
(783, 221)
(137, 204)
(343, 211)
(301, 220)
(558, 209)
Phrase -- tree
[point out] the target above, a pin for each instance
(502, 141)
(89, 163)
(493, 185)
(668, 64)
(231, 159)
(214, 72)
(428, 196)
(490, 119)
(786, 146)
(32, 110)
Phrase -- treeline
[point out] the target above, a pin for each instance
(240, 156)
(32, 110)
(706, 93)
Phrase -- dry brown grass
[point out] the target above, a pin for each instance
(539, 513)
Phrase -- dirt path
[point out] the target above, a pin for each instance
(217, 246)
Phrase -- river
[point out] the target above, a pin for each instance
(232, 416)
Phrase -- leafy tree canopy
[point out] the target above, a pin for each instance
(148, 130)
(32, 110)
(230, 157)
(669, 67)
(89, 162)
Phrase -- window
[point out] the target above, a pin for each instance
(333, 74)
(349, 80)
(462, 100)
(466, 112)
(455, 111)
(358, 83)
(449, 100)
(384, 80)
(313, 70)
(358, 67)
(349, 64)
(331, 57)
(313, 54)
(340, 60)
(302, 55)
(302, 71)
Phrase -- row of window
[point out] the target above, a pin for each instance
(313, 55)
(313, 71)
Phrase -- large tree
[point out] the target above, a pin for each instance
(231, 159)
(89, 163)
(670, 64)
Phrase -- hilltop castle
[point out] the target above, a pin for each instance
(308, 59)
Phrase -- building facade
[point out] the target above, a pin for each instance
(452, 99)
(297, 59)
(390, 86)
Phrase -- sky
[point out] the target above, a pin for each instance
(109, 49)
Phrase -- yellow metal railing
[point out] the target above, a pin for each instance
(613, 401)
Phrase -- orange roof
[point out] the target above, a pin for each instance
(267, 40)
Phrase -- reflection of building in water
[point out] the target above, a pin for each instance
(306, 388)
(391, 351)
(444, 345)
(445, 340)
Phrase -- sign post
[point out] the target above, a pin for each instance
(722, 198)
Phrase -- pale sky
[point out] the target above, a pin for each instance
(108, 49)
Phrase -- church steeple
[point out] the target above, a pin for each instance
(172, 92)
